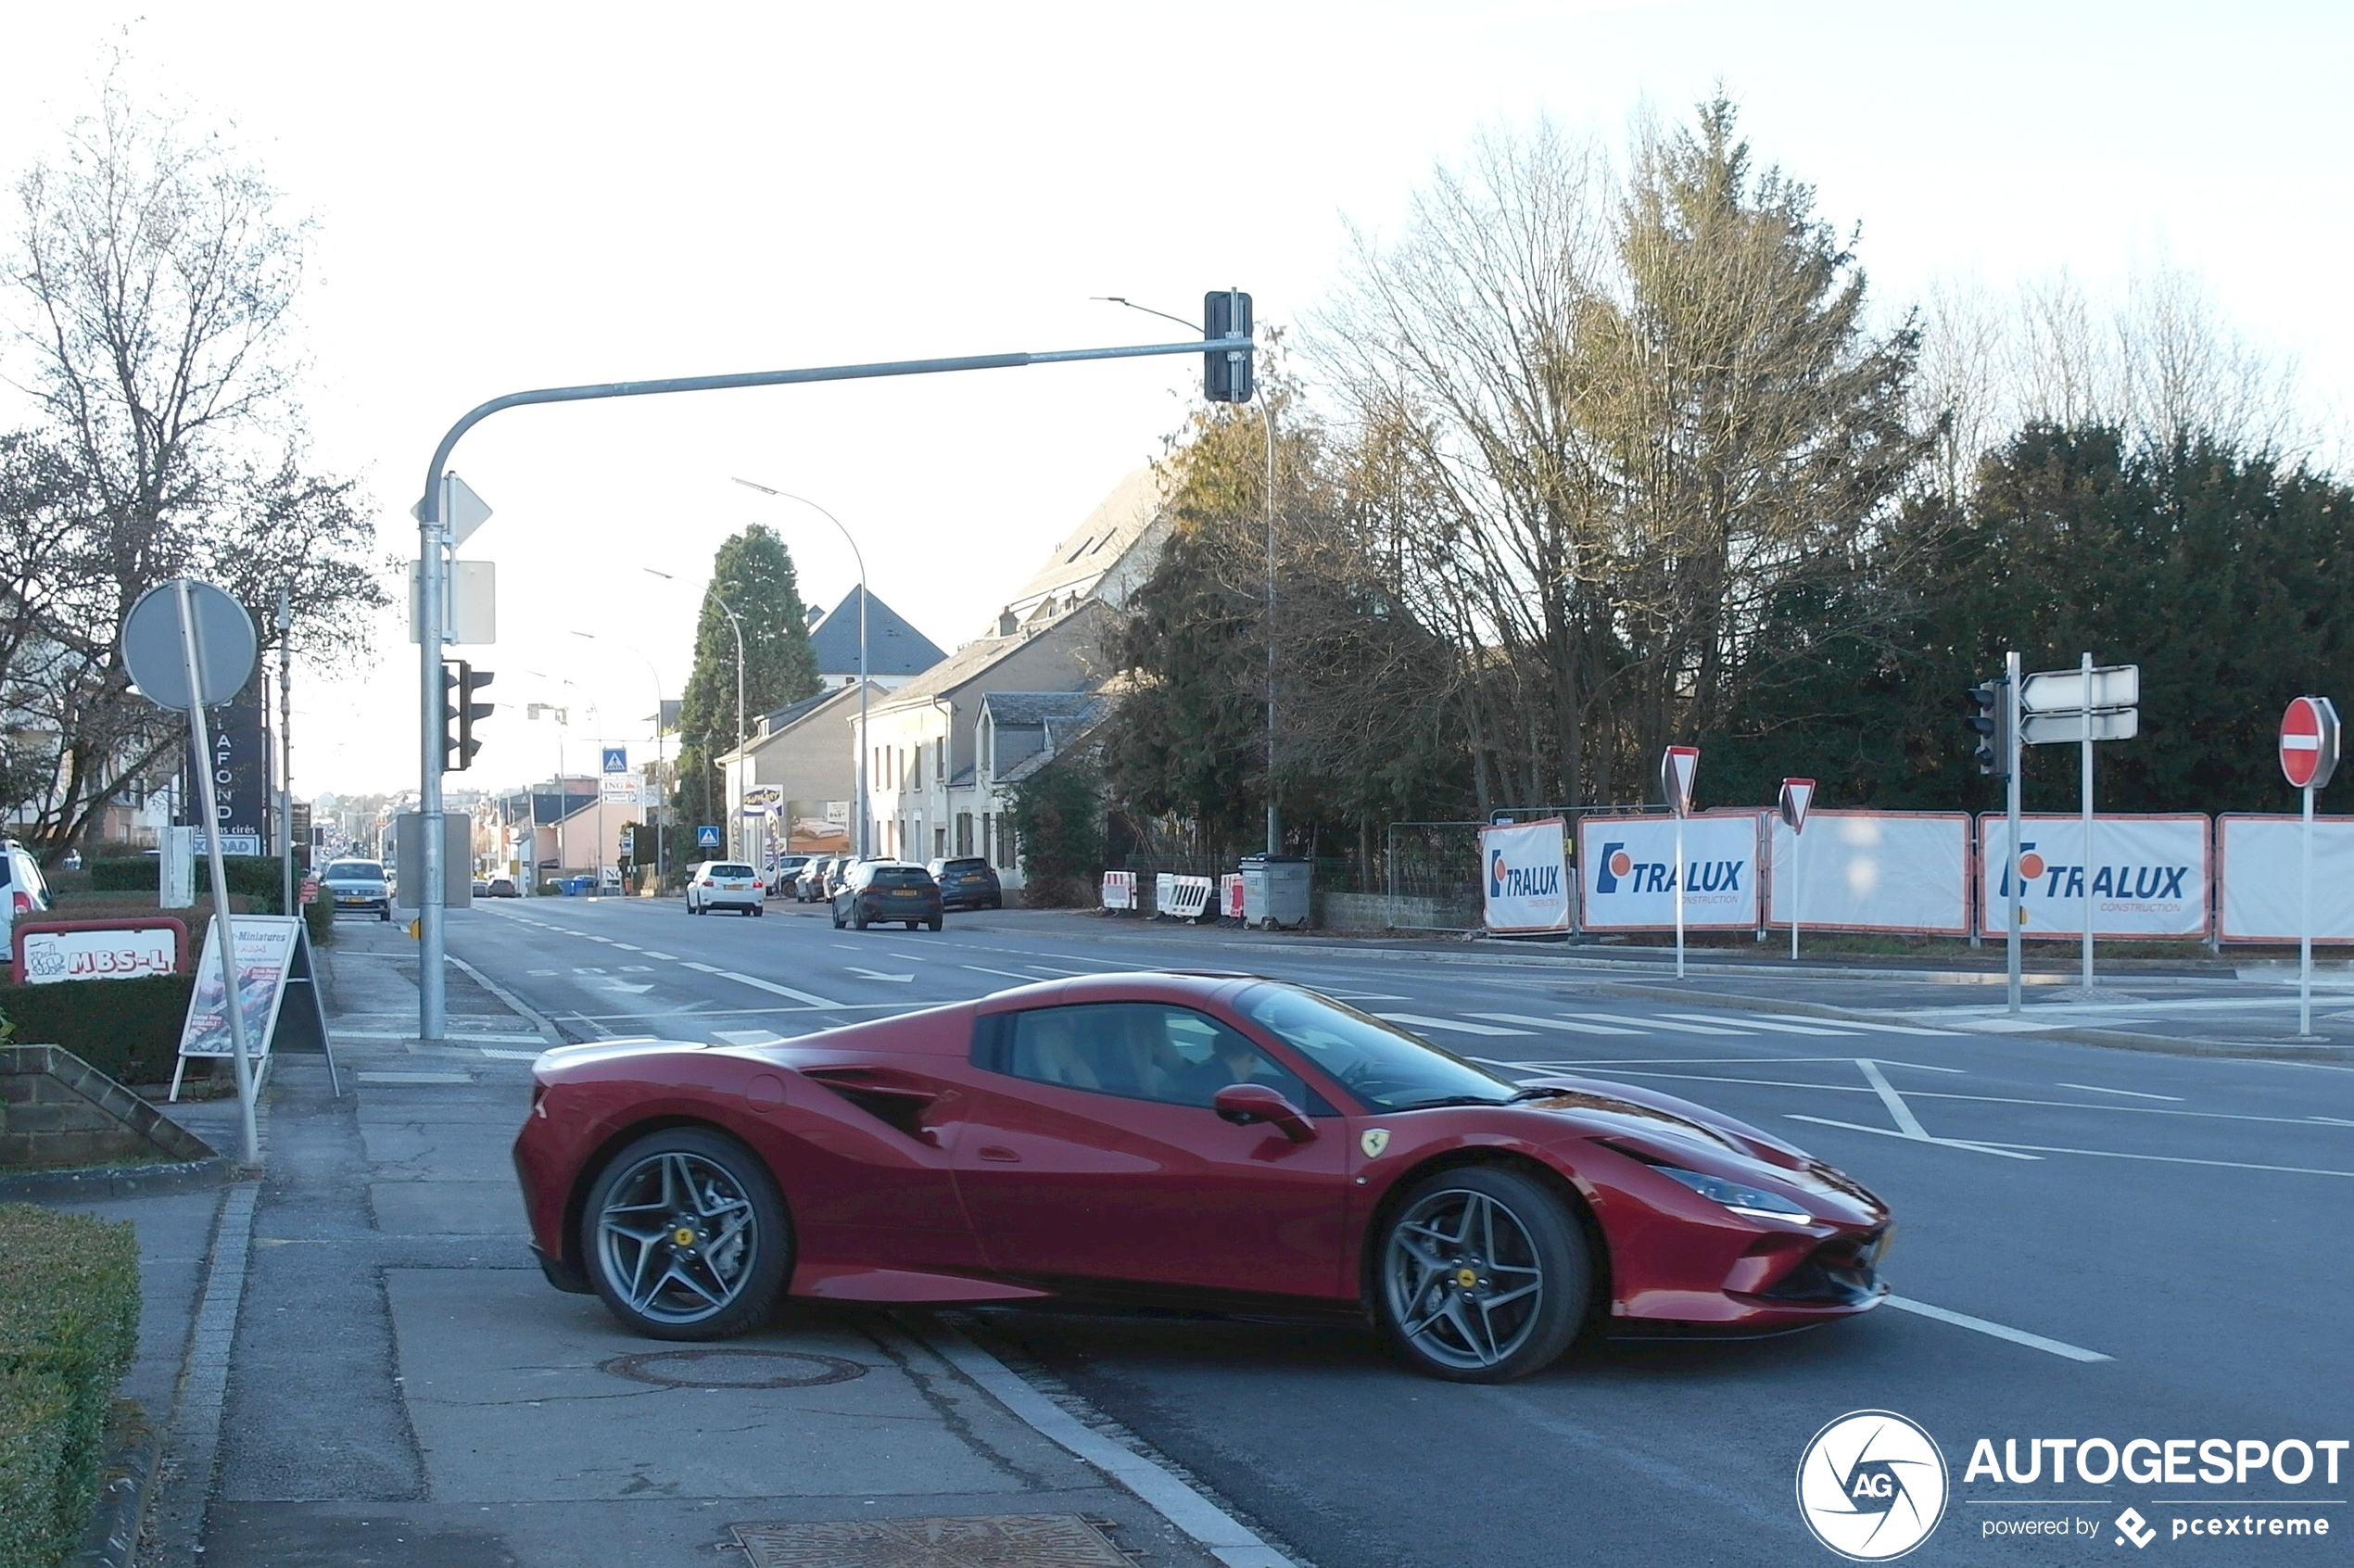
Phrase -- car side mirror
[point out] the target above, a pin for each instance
(1243, 1104)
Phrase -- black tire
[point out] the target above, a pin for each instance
(857, 922)
(935, 923)
(756, 912)
(723, 1282)
(837, 927)
(384, 916)
(1456, 1259)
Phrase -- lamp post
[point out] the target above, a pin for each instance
(286, 755)
(735, 808)
(857, 555)
(661, 849)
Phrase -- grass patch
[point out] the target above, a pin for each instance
(68, 1327)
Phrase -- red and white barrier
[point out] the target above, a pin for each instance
(1873, 871)
(2148, 876)
(2258, 861)
(1119, 890)
(1230, 896)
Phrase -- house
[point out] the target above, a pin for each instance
(1045, 654)
(896, 651)
(806, 751)
(1017, 733)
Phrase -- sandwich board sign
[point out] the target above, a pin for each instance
(277, 991)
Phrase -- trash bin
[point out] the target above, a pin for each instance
(578, 887)
(1275, 890)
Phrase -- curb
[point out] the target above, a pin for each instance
(133, 1450)
(2113, 1039)
(117, 1181)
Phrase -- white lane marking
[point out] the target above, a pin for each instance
(853, 969)
(1751, 1021)
(1721, 1078)
(457, 1037)
(702, 968)
(416, 1078)
(2096, 1089)
(1219, 1532)
(1901, 1113)
(1553, 1023)
(1907, 1137)
(588, 971)
(1050, 970)
(511, 1055)
(224, 990)
(1999, 1330)
(1419, 1021)
(2331, 1120)
(622, 986)
(666, 957)
(747, 1036)
(1878, 1027)
(1368, 996)
(627, 946)
(1734, 1061)
(2173, 1160)
(1008, 974)
(772, 987)
(1659, 1022)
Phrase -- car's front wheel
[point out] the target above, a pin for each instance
(1484, 1275)
(685, 1236)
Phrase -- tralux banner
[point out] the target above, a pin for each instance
(2148, 876)
(1525, 876)
(1628, 879)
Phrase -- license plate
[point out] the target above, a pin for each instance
(905, 893)
(736, 887)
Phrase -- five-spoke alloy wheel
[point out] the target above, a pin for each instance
(1484, 1275)
(686, 1236)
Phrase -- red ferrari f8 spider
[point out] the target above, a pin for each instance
(1196, 1140)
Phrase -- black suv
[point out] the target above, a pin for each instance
(967, 883)
(887, 890)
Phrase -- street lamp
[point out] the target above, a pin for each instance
(734, 825)
(661, 849)
(864, 744)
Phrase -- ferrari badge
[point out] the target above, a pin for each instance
(1372, 1141)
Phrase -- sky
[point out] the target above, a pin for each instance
(518, 195)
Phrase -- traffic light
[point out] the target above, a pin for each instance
(1990, 715)
(1226, 374)
(460, 681)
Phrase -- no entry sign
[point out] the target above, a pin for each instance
(2308, 742)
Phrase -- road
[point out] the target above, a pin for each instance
(2094, 1243)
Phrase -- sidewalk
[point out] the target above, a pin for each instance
(405, 1391)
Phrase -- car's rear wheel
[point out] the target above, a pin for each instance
(935, 923)
(1484, 1275)
(686, 1236)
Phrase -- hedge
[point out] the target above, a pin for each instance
(127, 1028)
(68, 1328)
(259, 878)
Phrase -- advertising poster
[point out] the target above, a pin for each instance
(1873, 871)
(2148, 876)
(265, 954)
(1525, 873)
(2260, 861)
(818, 827)
(1628, 877)
(91, 952)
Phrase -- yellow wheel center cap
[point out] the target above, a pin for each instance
(1467, 1278)
(683, 1236)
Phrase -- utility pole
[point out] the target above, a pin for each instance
(286, 757)
(1274, 811)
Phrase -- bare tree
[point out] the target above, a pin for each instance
(156, 278)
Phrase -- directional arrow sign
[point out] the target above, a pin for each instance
(2308, 742)
(2062, 692)
(2052, 729)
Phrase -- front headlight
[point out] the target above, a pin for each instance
(1749, 1202)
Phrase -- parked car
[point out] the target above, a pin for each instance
(357, 885)
(503, 887)
(781, 876)
(810, 887)
(23, 890)
(887, 890)
(482, 887)
(967, 884)
(723, 884)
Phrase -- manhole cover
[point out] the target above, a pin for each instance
(734, 1369)
(1001, 1540)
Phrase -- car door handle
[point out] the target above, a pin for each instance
(999, 1153)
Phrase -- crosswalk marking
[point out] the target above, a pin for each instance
(1567, 1024)
(1659, 1023)
(1418, 1020)
(1776, 1026)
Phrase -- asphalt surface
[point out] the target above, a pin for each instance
(2139, 1246)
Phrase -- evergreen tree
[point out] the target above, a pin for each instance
(754, 573)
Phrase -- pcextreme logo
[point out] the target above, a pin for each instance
(1871, 1486)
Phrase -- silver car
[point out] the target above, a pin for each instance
(357, 886)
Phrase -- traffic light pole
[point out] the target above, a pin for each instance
(2011, 679)
(432, 507)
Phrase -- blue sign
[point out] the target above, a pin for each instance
(616, 759)
(706, 837)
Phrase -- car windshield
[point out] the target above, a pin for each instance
(355, 871)
(1380, 1064)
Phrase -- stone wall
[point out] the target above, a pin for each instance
(1378, 911)
(56, 1110)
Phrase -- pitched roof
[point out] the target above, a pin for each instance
(1080, 560)
(971, 661)
(893, 647)
(1037, 707)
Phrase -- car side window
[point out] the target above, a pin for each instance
(1136, 1050)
